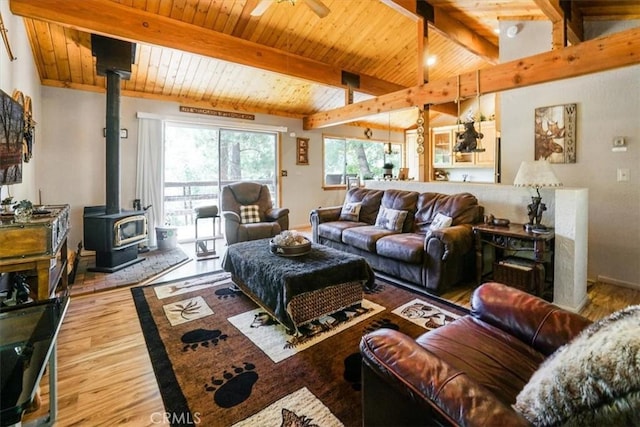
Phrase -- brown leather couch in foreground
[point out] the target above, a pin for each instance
(469, 371)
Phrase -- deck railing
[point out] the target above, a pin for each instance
(182, 197)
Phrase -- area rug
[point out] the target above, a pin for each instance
(154, 263)
(219, 359)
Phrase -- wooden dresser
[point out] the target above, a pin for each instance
(39, 245)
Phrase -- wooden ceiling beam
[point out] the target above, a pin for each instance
(450, 108)
(553, 11)
(112, 19)
(448, 27)
(601, 54)
(463, 36)
(220, 105)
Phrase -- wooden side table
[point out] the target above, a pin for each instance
(512, 240)
(40, 245)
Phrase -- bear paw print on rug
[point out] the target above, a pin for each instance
(202, 338)
(234, 387)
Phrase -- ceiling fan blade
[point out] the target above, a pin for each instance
(261, 7)
(318, 7)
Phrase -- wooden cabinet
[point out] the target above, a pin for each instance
(40, 245)
(442, 145)
(443, 141)
(511, 265)
(488, 157)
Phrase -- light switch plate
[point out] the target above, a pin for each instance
(623, 174)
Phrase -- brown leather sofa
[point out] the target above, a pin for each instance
(467, 372)
(424, 259)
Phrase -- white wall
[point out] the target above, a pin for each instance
(608, 105)
(75, 170)
(21, 74)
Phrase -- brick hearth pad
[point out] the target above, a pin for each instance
(155, 264)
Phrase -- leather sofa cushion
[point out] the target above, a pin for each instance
(402, 200)
(493, 358)
(462, 207)
(333, 230)
(370, 200)
(405, 247)
(364, 238)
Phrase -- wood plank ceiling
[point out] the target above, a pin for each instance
(364, 37)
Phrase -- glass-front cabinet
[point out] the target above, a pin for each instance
(442, 143)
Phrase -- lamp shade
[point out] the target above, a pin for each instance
(536, 174)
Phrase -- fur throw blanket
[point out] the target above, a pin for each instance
(592, 381)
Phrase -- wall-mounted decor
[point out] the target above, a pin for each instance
(5, 39)
(555, 133)
(11, 140)
(29, 124)
(302, 151)
(219, 113)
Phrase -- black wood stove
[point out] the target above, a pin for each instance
(114, 234)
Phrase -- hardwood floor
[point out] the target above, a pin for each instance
(604, 299)
(104, 372)
(105, 377)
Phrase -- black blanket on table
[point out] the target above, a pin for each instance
(276, 279)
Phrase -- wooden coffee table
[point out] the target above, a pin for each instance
(297, 290)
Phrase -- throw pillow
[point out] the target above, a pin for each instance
(351, 211)
(440, 221)
(249, 214)
(391, 219)
(593, 380)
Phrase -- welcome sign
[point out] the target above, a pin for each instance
(218, 113)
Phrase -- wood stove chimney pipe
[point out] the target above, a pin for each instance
(113, 59)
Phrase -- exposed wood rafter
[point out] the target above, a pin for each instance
(574, 29)
(449, 28)
(463, 36)
(601, 54)
(115, 20)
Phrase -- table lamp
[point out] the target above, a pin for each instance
(536, 174)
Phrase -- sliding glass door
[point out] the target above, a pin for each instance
(199, 160)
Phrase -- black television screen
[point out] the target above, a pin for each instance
(11, 140)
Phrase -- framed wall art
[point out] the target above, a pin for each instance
(11, 140)
(302, 151)
(555, 133)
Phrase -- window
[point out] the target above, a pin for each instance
(200, 159)
(348, 157)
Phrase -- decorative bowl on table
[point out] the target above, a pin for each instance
(289, 243)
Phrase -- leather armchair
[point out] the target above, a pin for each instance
(467, 372)
(272, 220)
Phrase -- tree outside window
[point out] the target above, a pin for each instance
(346, 157)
